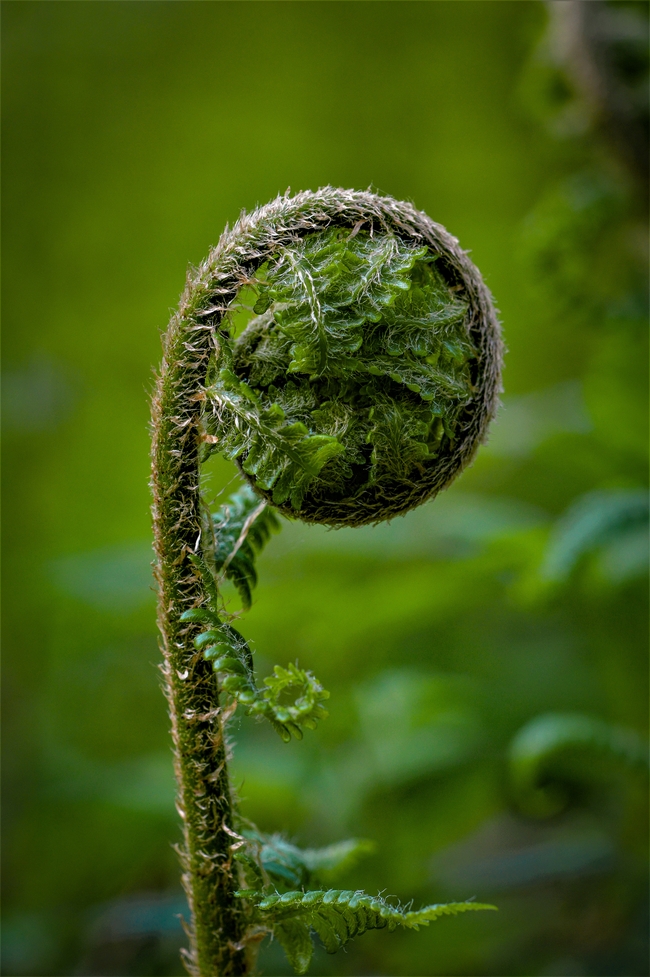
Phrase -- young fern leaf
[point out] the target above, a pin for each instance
(337, 916)
(241, 529)
(291, 697)
(287, 865)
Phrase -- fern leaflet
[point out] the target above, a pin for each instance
(287, 865)
(241, 530)
(291, 697)
(336, 916)
(543, 743)
(359, 343)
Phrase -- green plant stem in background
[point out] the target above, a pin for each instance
(364, 386)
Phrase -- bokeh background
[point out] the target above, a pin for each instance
(511, 610)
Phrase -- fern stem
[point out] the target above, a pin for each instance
(217, 926)
(217, 929)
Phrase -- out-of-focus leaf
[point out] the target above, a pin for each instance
(541, 744)
(595, 520)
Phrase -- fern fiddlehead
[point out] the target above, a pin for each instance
(361, 386)
(538, 750)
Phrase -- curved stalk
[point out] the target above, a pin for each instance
(219, 941)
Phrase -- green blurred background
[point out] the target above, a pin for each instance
(132, 133)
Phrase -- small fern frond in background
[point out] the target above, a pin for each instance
(599, 519)
(336, 916)
(541, 745)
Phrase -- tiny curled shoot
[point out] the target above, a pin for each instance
(290, 699)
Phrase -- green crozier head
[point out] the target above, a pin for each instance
(353, 392)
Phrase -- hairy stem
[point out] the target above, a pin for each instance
(219, 944)
(217, 926)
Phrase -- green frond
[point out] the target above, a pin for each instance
(337, 916)
(240, 530)
(290, 699)
(286, 864)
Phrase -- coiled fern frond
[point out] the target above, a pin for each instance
(353, 376)
(542, 746)
(368, 374)
(362, 384)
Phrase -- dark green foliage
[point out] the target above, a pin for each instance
(336, 916)
(354, 373)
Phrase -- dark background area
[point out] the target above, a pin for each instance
(132, 133)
